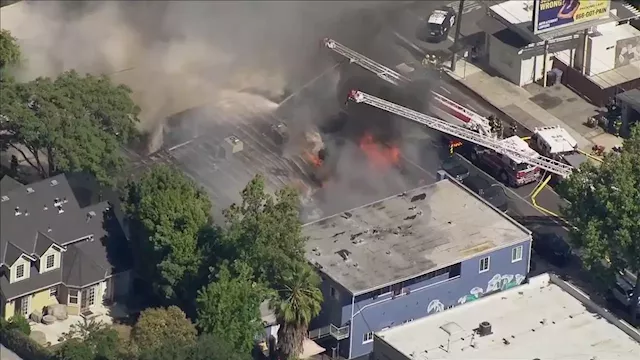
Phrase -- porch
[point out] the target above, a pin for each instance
(107, 314)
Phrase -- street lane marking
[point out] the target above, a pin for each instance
(445, 90)
(471, 107)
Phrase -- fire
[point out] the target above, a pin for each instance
(313, 159)
(379, 155)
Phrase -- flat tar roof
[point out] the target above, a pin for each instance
(407, 235)
(537, 320)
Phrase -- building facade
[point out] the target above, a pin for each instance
(52, 251)
(469, 270)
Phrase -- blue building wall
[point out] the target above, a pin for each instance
(430, 296)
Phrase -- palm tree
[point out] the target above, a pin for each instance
(298, 301)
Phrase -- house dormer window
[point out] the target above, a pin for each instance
(20, 272)
(50, 262)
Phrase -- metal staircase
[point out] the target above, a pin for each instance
(499, 146)
(337, 333)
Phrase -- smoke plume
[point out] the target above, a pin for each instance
(178, 55)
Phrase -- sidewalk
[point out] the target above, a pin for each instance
(516, 103)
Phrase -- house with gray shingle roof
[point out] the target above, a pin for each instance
(52, 251)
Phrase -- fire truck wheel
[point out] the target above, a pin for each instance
(504, 177)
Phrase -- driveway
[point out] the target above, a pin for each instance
(6, 354)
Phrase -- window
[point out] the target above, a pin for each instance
(334, 293)
(50, 261)
(53, 292)
(73, 296)
(484, 264)
(20, 271)
(516, 254)
(24, 305)
(367, 337)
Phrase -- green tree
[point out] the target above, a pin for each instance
(298, 301)
(229, 307)
(167, 212)
(72, 123)
(604, 209)
(264, 231)
(157, 326)
(74, 349)
(9, 49)
(20, 323)
(207, 347)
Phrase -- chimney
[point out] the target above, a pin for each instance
(18, 213)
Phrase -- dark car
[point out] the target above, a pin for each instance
(438, 25)
(552, 247)
(455, 168)
(493, 193)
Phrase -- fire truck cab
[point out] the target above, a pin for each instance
(509, 171)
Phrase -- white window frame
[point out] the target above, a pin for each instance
(367, 337)
(76, 297)
(53, 291)
(24, 272)
(53, 261)
(514, 251)
(488, 260)
(25, 306)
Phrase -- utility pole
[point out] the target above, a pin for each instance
(454, 59)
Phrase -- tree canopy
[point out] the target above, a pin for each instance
(297, 302)
(207, 347)
(91, 340)
(158, 326)
(264, 230)
(68, 124)
(229, 307)
(9, 49)
(167, 212)
(604, 209)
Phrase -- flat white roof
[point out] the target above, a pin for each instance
(407, 235)
(558, 139)
(515, 12)
(537, 320)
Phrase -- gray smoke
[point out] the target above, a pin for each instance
(178, 55)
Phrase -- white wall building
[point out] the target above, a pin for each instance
(519, 54)
(546, 319)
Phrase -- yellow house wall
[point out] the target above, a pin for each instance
(9, 310)
(39, 301)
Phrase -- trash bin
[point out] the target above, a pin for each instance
(558, 76)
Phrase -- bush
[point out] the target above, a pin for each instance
(20, 323)
(23, 346)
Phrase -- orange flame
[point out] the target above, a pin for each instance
(313, 159)
(379, 155)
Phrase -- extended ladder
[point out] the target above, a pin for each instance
(476, 121)
(496, 145)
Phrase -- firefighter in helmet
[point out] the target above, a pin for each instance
(514, 128)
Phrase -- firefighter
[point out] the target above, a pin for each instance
(514, 128)
(617, 126)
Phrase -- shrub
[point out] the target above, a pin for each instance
(20, 323)
(16, 341)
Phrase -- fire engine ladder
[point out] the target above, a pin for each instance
(477, 121)
(460, 132)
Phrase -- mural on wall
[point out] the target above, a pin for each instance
(627, 51)
(473, 295)
(503, 282)
(435, 306)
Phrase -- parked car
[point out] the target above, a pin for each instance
(493, 193)
(622, 291)
(455, 168)
(552, 247)
(439, 24)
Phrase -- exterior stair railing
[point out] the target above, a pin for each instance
(337, 333)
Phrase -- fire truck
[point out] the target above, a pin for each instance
(510, 170)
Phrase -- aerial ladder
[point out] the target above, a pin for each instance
(475, 121)
(497, 145)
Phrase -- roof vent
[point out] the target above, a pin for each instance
(419, 197)
(18, 212)
(30, 190)
(49, 229)
(26, 213)
(60, 210)
(346, 215)
(45, 207)
(54, 182)
(64, 200)
(5, 198)
(344, 254)
(484, 328)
